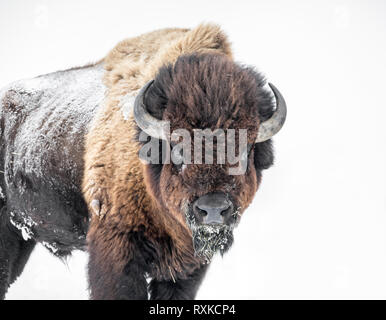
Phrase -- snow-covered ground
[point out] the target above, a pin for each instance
(317, 227)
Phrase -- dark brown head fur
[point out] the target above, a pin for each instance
(208, 91)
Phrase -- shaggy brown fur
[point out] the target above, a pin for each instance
(135, 200)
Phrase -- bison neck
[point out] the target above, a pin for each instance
(127, 217)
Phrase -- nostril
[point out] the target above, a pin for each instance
(202, 212)
(224, 212)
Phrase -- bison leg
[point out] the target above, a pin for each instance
(114, 274)
(130, 284)
(181, 289)
(14, 253)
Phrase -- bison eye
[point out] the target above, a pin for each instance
(177, 157)
(246, 152)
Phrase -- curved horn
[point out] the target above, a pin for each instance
(273, 125)
(152, 126)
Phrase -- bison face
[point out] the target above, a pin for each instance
(198, 184)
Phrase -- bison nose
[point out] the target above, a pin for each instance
(212, 208)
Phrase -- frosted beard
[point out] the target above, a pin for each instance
(209, 238)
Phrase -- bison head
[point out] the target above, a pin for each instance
(211, 93)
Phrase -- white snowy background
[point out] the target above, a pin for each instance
(317, 227)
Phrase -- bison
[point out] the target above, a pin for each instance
(72, 176)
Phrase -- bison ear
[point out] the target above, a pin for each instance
(263, 155)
